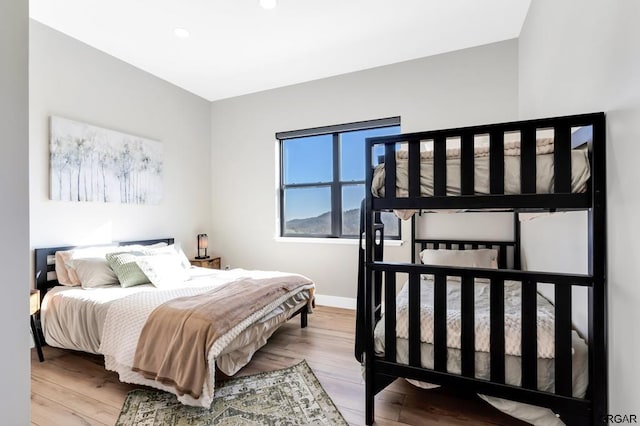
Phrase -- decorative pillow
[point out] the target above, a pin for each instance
(173, 249)
(163, 270)
(93, 272)
(126, 269)
(66, 272)
(477, 258)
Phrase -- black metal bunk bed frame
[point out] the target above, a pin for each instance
(380, 371)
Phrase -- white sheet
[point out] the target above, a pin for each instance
(529, 413)
(108, 321)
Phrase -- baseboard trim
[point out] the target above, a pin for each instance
(336, 301)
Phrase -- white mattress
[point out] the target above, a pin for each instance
(525, 412)
(75, 318)
(580, 172)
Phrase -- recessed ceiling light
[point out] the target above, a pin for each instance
(181, 33)
(268, 4)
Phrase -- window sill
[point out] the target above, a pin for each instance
(347, 241)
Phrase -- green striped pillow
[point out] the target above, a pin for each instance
(125, 267)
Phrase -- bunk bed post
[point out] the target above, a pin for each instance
(367, 292)
(516, 238)
(597, 269)
(413, 238)
(359, 332)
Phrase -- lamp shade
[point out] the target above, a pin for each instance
(203, 241)
(203, 244)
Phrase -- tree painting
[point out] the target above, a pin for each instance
(89, 163)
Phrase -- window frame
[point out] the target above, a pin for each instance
(336, 185)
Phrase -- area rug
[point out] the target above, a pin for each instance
(291, 396)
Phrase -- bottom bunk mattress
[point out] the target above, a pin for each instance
(529, 413)
(134, 327)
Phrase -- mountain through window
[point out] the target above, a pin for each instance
(322, 179)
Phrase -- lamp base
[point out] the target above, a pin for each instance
(202, 257)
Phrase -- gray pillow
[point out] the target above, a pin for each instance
(93, 272)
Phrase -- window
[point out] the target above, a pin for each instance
(322, 176)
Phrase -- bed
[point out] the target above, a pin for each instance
(173, 331)
(461, 322)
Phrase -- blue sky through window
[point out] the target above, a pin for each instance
(310, 160)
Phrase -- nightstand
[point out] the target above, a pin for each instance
(34, 309)
(210, 262)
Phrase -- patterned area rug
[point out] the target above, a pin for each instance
(291, 396)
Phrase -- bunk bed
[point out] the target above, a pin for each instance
(554, 164)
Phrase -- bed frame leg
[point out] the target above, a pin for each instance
(368, 405)
(303, 317)
(369, 391)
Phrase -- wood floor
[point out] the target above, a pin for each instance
(72, 388)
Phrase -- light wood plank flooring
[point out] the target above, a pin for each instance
(72, 388)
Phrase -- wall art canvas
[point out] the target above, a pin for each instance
(90, 163)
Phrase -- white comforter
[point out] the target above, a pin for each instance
(545, 380)
(115, 323)
(580, 172)
(512, 310)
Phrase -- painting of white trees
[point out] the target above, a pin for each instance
(89, 163)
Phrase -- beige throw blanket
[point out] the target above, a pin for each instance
(174, 344)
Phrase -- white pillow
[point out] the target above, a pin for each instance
(163, 269)
(140, 247)
(476, 258)
(96, 272)
(93, 272)
(68, 275)
(169, 249)
(64, 270)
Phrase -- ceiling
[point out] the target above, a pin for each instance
(236, 47)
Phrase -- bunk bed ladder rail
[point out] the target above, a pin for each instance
(597, 296)
(378, 253)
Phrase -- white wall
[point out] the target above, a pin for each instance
(558, 242)
(495, 226)
(582, 56)
(14, 211)
(70, 79)
(472, 86)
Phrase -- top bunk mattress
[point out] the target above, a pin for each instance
(580, 171)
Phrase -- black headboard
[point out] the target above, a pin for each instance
(44, 263)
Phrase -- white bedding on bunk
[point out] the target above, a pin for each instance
(580, 171)
(109, 320)
(512, 313)
(529, 413)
